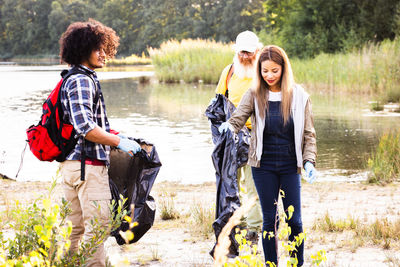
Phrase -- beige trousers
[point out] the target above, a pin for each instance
(247, 190)
(88, 200)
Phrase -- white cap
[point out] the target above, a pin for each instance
(246, 41)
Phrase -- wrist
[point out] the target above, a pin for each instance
(117, 140)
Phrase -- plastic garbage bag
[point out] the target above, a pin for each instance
(230, 153)
(133, 178)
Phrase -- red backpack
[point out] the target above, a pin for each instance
(52, 138)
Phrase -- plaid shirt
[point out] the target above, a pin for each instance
(77, 97)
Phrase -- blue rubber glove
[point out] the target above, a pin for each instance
(129, 146)
(212, 101)
(223, 127)
(311, 172)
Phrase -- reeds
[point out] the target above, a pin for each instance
(131, 60)
(190, 60)
(385, 161)
(375, 69)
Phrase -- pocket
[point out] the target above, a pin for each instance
(98, 187)
(97, 196)
(70, 171)
(100, 205)
(99, 209)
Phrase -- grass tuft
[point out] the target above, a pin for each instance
(328, 224)
(382, 232)
(167, 207)
(202, 219)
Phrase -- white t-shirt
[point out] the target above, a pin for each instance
(274, 96)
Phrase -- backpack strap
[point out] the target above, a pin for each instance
(228, 78)
(66, 74)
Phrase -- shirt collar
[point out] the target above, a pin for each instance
(92, 72)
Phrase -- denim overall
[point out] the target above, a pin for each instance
(278, 170)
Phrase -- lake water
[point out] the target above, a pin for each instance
(172, 117)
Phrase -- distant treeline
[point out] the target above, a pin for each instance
(304, 28)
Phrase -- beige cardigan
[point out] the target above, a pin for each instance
(305, 140)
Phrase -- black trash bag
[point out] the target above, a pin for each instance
(230, 153)
(133, 178)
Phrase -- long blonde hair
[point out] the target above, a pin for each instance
(278, 55)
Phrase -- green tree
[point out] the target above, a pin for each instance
(317, 26)
(378, 18)
(166, 20)
(309, 27)
(178, 21)
(126, 18)
(64, 13)
(238, 16)
(206, 16)
(57, 23)
(23, 27)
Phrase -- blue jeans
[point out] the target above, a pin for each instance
(272, 175)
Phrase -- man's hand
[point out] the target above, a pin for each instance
(223, 127)
(129, 146)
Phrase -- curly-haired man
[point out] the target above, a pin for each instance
(86, 46)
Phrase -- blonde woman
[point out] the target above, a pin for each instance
(282, 142)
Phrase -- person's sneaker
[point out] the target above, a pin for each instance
(253, 237)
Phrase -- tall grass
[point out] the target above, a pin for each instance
(375, 69)
(385, 162)
(131, 60)
(190, 60)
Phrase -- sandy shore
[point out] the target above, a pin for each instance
(176, 242)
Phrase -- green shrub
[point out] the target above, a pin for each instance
(40, 235)
(248, 251)
(376, 106)
(190, 60)
(384, 164)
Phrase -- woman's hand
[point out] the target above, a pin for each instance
(311, 172)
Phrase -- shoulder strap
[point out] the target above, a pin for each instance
(65, 75)
(228, 78)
